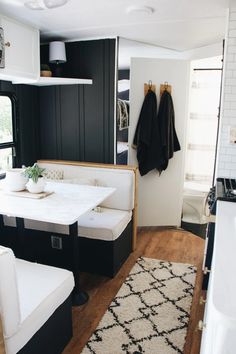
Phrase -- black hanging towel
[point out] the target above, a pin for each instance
(147, 137)
(166, 122)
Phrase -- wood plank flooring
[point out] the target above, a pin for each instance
(2, 348)
(166, 244)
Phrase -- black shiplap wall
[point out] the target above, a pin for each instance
(80, 118)
(47, 122)
(74, 122)
(28, 123)
(27, 111)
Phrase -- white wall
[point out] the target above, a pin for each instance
(226, 162)
(133, 49)
(160, 197)
(208, 51)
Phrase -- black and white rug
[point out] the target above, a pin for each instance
(150, 312)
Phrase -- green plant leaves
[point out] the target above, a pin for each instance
(34, 172)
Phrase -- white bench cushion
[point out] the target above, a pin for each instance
(105, 225)
(9, 299)
(42, 289)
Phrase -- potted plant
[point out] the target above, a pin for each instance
(45, 70)
(36, 183)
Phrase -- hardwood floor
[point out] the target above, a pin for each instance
(166, 244)
(2, 348)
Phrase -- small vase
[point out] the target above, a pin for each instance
(15, 180)
(37, 187)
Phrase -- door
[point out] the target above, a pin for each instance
(21, 44)
(160, 197)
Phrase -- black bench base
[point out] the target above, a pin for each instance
(105, 257)
(54, 335)
(95, 256)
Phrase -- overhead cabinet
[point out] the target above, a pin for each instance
(20, 49)
(20, 56)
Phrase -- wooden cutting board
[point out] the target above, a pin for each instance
(27, 194)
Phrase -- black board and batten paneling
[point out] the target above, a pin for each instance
(69, 123)
(48, 123)
(81, 116)
(28, 111)
(74, 122)
(27, 116)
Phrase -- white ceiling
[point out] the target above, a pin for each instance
(175, 24)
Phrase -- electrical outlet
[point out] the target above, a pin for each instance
(56, 242)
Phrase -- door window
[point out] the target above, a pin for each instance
(7, 132)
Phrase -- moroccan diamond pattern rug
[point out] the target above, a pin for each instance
(150, 312)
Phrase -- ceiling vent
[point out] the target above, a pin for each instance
(44, 4)
(140, 10)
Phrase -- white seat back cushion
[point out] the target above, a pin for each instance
(9, 296)
(122, 180)
(42, 289)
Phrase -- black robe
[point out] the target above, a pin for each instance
(147, 136)
(166, 122)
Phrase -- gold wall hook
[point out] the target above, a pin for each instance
(149, 86)
(165, 87)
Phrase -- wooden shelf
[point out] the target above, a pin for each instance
(50, 81)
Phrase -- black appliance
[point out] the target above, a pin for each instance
(225, 189)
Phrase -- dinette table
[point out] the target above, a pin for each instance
(65, 205)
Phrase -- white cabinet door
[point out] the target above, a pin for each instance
(21, 51)
(160, 197)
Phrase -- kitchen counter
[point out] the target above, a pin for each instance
(219, 325)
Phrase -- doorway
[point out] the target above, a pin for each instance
(203, 121)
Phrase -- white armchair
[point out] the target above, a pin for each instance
(35, 306)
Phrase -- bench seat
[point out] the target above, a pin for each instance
(105, 241)
(30, 293)
(109, 235)
(106, 224)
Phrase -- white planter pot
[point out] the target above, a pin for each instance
(15, 180)
(36, 187)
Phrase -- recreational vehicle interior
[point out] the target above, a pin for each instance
(117, 176)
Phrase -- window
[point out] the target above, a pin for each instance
(203, 123)
(7, 132)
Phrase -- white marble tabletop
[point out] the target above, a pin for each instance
(64, 206)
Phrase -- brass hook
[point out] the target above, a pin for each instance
(149, 84)
(166, 85)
